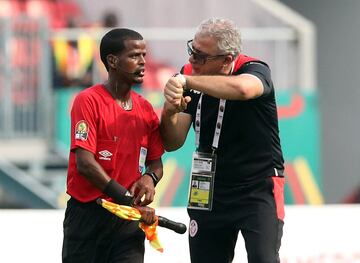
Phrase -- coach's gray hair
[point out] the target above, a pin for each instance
(225, 32)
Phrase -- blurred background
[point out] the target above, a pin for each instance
(49, 52)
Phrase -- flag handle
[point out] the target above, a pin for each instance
(179, 228)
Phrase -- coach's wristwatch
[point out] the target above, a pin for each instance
(182, 79)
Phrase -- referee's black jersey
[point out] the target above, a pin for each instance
(249, 145)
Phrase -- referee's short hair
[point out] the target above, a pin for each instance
(113, 42)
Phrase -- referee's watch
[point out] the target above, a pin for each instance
(153, 176)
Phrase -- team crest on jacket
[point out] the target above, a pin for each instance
(81, 130)
(193, 228)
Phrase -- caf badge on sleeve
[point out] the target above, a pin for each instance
(81, 130)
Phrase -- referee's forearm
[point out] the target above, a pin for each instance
(94, 173)
(169, 131)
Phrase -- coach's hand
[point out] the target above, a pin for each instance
(173, 91)
(143, 191)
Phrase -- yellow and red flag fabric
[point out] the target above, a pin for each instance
(131, 213)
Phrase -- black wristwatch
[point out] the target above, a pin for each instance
(153, 177)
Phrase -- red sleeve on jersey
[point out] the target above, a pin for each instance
(83, 123)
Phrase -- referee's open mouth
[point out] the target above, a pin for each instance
(140, 73)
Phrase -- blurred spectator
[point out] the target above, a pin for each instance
(73, 59)
(110, 19)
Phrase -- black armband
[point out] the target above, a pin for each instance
(153, 177)
(118, 193)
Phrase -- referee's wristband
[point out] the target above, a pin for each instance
(153, 177)
(118, 193)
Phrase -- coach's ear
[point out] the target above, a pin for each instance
(229, 58)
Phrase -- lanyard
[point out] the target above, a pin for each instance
(218, 125)
(219, 120)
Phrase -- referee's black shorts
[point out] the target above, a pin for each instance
(257, 210)
(94, 235)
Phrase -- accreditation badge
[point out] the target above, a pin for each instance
(142, 159)
(202, 181)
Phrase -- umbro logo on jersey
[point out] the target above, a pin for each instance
(105, 155)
